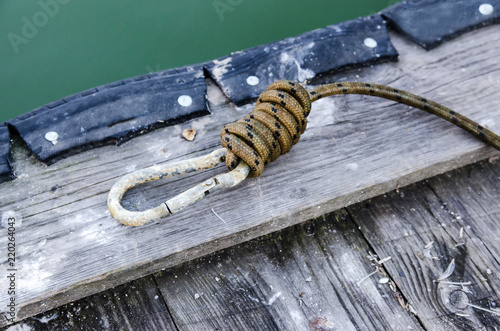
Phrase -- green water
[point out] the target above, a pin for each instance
(53, 48)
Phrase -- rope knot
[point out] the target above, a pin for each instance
(275, 124)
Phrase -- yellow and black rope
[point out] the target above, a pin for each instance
(280, 117)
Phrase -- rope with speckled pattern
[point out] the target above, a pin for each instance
(280, 117)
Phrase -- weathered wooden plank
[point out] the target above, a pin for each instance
(458, 213)
(429, 23)
(137, 305)
(244, 75)
(473, 202)
(302, 278)
(317, 267)
(113, 113)
(70, 247)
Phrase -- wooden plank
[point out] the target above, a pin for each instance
(137, 305)
(317, 268)
(472, 201)
(403, 224)
(302, 278)
(70, 247)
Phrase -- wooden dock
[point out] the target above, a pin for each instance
(304, 246)
(314, 276)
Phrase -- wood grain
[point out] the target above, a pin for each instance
(137, 305)
(313, 276)
(403, 224)
(355, 148)
(302, 278)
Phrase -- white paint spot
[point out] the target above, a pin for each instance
(253, 80)
(34, 277)
(486, 9)
(352, 166)
(370, 42)
(52, 137)
(221, 67)
(11, 217)
(199, 74)
(302, 74)
(196, 296)
(185, 100)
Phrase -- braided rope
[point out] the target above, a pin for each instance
(275, 124)
(280, 117)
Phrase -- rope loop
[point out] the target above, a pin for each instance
(275, 124)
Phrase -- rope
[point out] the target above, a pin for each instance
(280, 117)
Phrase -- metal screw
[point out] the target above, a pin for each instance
(370, 42)
(185, 100)
(52, 137)
(486, 9)
(253, 80)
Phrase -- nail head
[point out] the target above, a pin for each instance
(51, 136)
(185, 100)
(486, 9)
(370, 42)
(253, 80)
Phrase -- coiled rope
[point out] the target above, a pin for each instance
(280, 117)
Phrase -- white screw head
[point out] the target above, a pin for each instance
(370, 42)
(253, 80)
(486, 9)
(185, 100)
(52, 137)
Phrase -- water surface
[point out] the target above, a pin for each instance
(53, 48)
